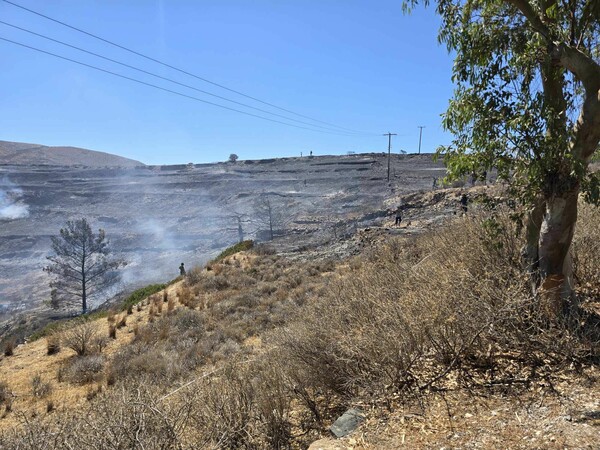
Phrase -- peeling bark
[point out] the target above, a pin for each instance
(556, 235)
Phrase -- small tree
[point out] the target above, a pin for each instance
(233, 158)
(270, 214)
(81, 265)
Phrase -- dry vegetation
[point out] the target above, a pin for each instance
(258, 352)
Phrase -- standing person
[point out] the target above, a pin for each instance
(464, 201)
(181, 270)
(398, 216)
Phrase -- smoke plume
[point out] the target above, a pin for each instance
(11, 203)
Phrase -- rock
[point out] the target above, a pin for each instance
(347, 422)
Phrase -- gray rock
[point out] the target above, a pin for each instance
(347, 422)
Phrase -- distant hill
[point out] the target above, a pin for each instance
(34, 154)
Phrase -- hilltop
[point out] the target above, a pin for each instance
(20, 153)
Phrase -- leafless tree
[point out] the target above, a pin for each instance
(270, 214)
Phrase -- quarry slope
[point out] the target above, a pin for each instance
(158, 216)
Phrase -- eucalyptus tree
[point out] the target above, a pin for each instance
(81, 266)
(527, 102)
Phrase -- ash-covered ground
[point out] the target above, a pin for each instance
(157, 217)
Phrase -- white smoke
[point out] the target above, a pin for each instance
(11, 205)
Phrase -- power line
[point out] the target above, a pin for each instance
(161, 77)
(181, 94)
(175, 68)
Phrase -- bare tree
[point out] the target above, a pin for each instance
(270, 214)
(81, 265)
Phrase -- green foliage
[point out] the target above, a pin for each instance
(239, 247)
(515, 105)
(134, 298)
(140, 294)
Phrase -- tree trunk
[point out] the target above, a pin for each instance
(556, 235)
(530, 253)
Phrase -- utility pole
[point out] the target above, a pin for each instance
(420, 134)
(389, 135)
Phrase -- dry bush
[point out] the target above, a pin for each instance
(39, 387)
(80, 338)
(194, 276)
(5, 394)
(123, 322)
(263, 250)
(53, 344)
(85, 369)
(413, 312)
(130, 419)
(226, 413)
(586, 245)
(164, 350)
(9, 347)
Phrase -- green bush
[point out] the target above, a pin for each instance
(239, 247)
(140, 294)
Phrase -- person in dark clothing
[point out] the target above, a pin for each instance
(464, 201)
(181, 270)
(398, 216)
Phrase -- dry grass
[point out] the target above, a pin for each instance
(260, 352)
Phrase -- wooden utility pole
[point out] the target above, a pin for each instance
(420, 135)
(389, 135)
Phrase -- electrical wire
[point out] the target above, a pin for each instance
(178, 69)
(181, 94)
(161, 77)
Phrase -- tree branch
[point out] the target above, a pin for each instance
(534, 19)
(580, 64)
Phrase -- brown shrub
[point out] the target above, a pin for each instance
(39, 387)
(5, 393)
(80, 337)
(112, 331)
(9, 347)
(414, 311)
(85, 369)
(53, 344)
(586, 245)
(123, 322)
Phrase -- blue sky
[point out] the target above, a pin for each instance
(357, 64)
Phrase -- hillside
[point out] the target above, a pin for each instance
(427, 328)
(19, 153)
(158, 216)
